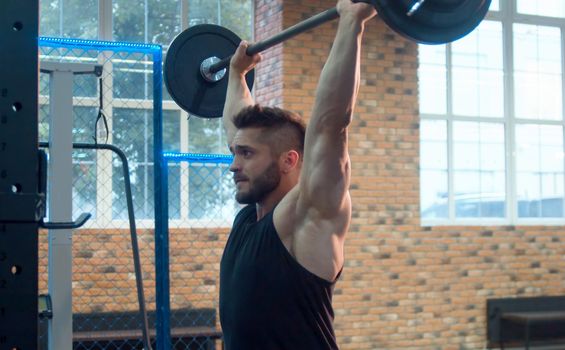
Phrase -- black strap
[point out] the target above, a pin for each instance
(101, 115)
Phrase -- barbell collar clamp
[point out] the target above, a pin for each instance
(415, 7)
(208, 75)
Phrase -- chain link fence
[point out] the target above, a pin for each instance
(116, 107)
(195, 252)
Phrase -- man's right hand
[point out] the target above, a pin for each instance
(360, 11)
(241, 63)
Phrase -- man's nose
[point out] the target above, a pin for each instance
(234, 167)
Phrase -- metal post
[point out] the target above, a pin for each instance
(21, 203)
(162, 282)
(60, 175)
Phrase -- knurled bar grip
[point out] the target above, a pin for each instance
(288, 33)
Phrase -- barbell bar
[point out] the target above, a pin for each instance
(198, 58)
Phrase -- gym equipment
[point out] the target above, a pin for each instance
(190, 89)
(198, 58)
(46, 310)
(21, 203)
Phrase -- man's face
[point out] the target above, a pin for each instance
(256, 173)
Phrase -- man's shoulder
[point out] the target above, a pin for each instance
(244, 213)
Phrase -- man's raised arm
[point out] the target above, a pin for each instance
(238, 95)
(325, 176)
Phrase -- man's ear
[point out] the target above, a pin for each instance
(289, 161)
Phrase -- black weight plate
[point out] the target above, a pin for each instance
(182, 75)
(436, 21)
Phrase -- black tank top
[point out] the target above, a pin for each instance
(267, 299)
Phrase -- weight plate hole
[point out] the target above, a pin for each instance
(17, 106)
(17, 26)
(16, 270)
(16, 188)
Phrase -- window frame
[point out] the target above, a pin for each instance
(104, 189)
(508, 16)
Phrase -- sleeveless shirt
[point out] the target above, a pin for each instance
(267, 299)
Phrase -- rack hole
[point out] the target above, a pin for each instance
(16, 270)
(17, 106)
(17, 26)
(16, 188)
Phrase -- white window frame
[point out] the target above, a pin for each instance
(508, 16)
(104, 218)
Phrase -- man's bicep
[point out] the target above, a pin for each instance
(230, 130)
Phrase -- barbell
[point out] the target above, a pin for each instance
(198, 58)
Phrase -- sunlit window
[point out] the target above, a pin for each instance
(491, 132)
(127, 95)
(549, 8)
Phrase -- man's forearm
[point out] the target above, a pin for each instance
(339, 81)
(238, 97)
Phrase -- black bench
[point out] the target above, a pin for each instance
(539, 320)
(191, 329)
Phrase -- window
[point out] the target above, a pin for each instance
(127, 95)
(491, 109)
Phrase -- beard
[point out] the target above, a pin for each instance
(259, 188)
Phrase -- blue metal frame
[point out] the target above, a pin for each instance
(198, 158)
(102, 45)
(160, 180)
(162, 282)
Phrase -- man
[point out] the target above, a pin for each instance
(285, 250)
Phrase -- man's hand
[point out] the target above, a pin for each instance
(241, 63)
(360, 11)
(238, 95)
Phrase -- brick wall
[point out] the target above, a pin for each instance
(104, 275)
(405, 286)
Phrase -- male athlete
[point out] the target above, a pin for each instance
(285, 251)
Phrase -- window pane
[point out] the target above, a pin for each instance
(203, 11)
(171, 143)
(142, 183)
(132, 132)
(83, 123)
(84, 183)
(433, 169)
(129, 21)
(479, 169)
(163, 21)
(141, 178)
(211, 192)
(539, 164)
(477, 72)
(132, 76)
(206, 135)
(494, 6)
(174, 191)
(171, 131)
(237, 16)
(537, 72)
(550, 8)
(69, 18)
(155, 21)
(432, 79)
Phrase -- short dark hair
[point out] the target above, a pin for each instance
(284, 130)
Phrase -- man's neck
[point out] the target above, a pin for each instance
(270, 202)
(265, 207)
